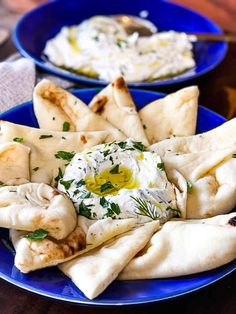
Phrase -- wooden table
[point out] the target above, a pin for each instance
(218, 92)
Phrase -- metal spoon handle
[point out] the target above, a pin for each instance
(215, 37)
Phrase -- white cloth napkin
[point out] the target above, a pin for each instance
(18, 77)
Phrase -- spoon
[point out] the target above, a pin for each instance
(144, 27)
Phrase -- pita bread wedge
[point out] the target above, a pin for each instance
(14, 164)
(216, 139)
(94, 271)
(211, 178)
(115, 104)
(53, 106)
(44, 145)
(32, 255)
(186, 247)
(34, 206)
(175, 114)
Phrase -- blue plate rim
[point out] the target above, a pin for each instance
(231, 267)
(83, 79)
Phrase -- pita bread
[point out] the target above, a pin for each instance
(53, 106)
(94, 271)
(212, 177)
(217, 139)
(185, 247)
(34, 206)
(175, 114)
(45, 144)
(115, 104)
(32, 255)
(14, 164)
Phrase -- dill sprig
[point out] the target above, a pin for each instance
(145, 208)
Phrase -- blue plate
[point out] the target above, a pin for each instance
(43, 23)
(52, 283)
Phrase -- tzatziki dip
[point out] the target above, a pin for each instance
(119, 180)
(100, 47)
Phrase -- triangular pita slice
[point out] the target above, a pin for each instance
(173, 115)
(115, 104)
(219, 138)
(44, 144)
(211, 178)
(34, 206)
(32, 255)
(185, 247)
(94, 271)
(53, 106)
(14, 163)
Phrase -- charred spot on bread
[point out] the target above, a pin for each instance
(232, 221)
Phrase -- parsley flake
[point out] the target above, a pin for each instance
(64, 155)
(36, 235)
(59, 175)
(18, 139)
(161, 166)
(66, 126)
(106, 186)
(139, 146)
(113, 210)
(36, 169)
(234, 156)
(122, 145)
(42, 137)
(103, 202)
(115, 169)
(80, 183)
(67, 183)
(85, 210)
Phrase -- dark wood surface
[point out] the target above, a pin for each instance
(218, 92)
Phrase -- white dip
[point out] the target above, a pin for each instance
(119, 180)
(99, 47)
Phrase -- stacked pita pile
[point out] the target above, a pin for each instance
(44, 226)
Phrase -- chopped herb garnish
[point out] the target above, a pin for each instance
(115, 169)
(104, 202)
(80, 183)
(36, 235)
(111, 159)
(67, 183)
(63, 137)
(85, 194)
(139, 146)
(36, 169)
(59, 175)
(64, 155)
(115, 207)
(122, 145)
(161, 166)
(84, 210)
(2, 183)
(234, 155)
(113, 210)
(42, 137)
(189, 186)
(145, 208)
(106, 186)
(106, 152)
(66, 126)
(18, 139)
